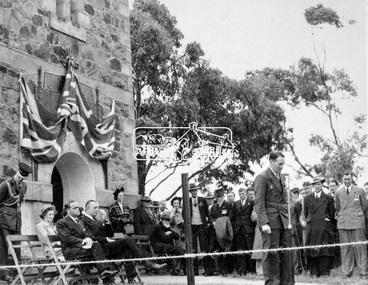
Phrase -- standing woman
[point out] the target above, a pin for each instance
(120, 213)
(47, 227)
(177, 221)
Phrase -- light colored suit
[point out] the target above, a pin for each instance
(350, 215)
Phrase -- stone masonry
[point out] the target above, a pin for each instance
(35, 36)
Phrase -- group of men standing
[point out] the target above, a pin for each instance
(348, 205)
(223, 226)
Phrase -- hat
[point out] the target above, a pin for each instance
(317, 179)
(209, 195)
(193, 186)
(295, 190)
(145, 199)
(47, 207)
(219, 192)
(24, 169)
(166, 216)
(174, 199)
(155, 204)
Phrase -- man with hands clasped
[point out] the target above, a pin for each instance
(273, 219)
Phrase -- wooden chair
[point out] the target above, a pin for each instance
(30, 244)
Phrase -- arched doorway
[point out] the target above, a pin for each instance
(72, 179)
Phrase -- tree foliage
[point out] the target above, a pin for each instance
(318, 15)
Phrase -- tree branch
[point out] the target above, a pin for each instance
(163, 180)
(307, 172)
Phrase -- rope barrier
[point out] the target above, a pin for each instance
(191, 255)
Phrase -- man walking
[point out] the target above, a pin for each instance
(351, 207)
(12, 192)
(273, 218)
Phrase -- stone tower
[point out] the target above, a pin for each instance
(35, 36)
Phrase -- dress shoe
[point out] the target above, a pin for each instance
(152, 265)
(224, 274)
(109, 273)
(176, 273)
(211, 273)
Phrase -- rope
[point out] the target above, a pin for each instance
(192, 255)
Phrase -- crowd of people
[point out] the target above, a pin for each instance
(266, 215)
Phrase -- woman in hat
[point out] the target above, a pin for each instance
(177, 221)
(120, 213)
(144, 220)
(47, 227)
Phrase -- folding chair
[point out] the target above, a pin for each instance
(31, 244)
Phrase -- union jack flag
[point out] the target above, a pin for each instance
(46, 142)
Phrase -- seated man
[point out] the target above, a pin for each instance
(75, 243)
(114, 249)
(163, 242)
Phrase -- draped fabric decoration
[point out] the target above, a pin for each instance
(45, 143)
(98, 138)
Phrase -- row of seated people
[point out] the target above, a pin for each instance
(91, 239)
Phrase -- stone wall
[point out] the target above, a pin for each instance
(36, 35)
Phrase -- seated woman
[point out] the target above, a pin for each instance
(47, 227)
(120, 213)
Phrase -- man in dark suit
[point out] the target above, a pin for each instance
(102, 232)
(76, 244)
(144, 219)
(271, 206)
(12, 192)
(220, 216)
(244, 229)
(198, 220)
(319, 212)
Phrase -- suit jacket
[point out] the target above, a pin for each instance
(203, 210)
(350, 210)
(271, 200)
(217, 211)
(144, 223)
(71, 235)
(242, 216)
(97, 230)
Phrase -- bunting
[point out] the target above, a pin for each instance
(98, 138)
(46, 142)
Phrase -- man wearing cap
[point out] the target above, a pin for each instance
(198, 212)
(319, 212)
(144, 219)
(12, 193)
(271, 206)
(351, 208)
(163, 242)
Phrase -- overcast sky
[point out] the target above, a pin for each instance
(242, 35)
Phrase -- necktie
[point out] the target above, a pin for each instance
(347, 190)
(317, 196)
(195, 203)
(243, 202)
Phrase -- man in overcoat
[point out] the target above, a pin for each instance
(144, 219)
(351, 208)
(271, 206)
(319, 212)
(244, 229)
(12, 193)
